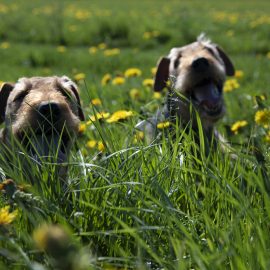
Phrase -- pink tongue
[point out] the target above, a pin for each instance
(207, 95)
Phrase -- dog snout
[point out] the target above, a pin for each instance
(200, 64)
(49, 110)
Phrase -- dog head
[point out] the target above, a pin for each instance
(42, 113)
(198, 72)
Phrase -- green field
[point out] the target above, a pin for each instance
(128, 204)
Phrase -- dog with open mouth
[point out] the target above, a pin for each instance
(198, 72)
(42, 114)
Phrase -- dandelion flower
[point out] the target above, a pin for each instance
(163, 125)
(61, 49)
(101, 146)
(106, 78)
(230, 85)
(4, 45)
(239, 74)
(111, 52)
(91, 144)
(139, 136)
(268, 55)
(102, 46)
(92, 50)
(96, 101)
(133, 72)
(157, 95)
(134, 93)
(79, 77)
(118, 80)
(82, 128)
(119, 115)
(147, 35)
(262, 117)
(154, 71)
(148, 82)
(98, 116)
(7, 217)
(267, 137)
(238, 125)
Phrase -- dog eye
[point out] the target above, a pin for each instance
(210, 50)
(20, 97)
(176, 63)
(67, 95)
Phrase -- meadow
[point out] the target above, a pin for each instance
(129, 204)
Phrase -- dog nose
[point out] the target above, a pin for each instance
(49, 109)
(200, 64)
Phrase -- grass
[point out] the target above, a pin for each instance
(133, 205)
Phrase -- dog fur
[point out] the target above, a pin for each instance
(197, 73)
(42, 114)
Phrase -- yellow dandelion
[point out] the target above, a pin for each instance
(238, 125)
(262, 117)
(92, 50)
(101, 146)
(96, 101)
(147, 35)
(148, 82)
(119, 115)
(111, 52)
(91, 144)
(79, 77)
(231, 85)
(102, 46)
(7, 217)
(268, 55)
(157, 95)
(4, 45)
(134, 93)
(133, 72)
(106, 79)
(61, 49)
(239, 74)
(139, 136)
(154, 71)
(163, 125)
(98, 116)
(82, 128)
(118, 80)
(267, 137)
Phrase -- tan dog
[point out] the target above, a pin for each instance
(197, 72)
(42, 114)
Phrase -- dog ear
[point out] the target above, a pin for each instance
(5, 90)
(228, 63)
(80, 111)
(162, 74)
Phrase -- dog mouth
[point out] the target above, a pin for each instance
(207, 97)
(49, 146)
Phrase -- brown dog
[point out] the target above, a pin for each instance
(197, 72)
(42, 114)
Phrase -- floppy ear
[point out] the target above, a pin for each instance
(5, 90)
(162, 74)
(227, 62)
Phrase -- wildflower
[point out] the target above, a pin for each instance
(92, 50)
(106, 78)
(118, 80)
(163, 125)
(230, 85)
(238, 125)
(239, 74)
(148, 82)
(268, 55)
(82, 14)
(102, 46)
(91, 144)
(96, 101)
(133, 72)
(79, 77)
(111, 52)
(139, 136)
(119, 115)
(97, 116)
(82, 128)
(101, 146)
(154, 71)
(4, 45)
(147, 35)
(6, 217)
(134, 93)
(267, 137)
(157, 95)
(61, 49)
(262, 117)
